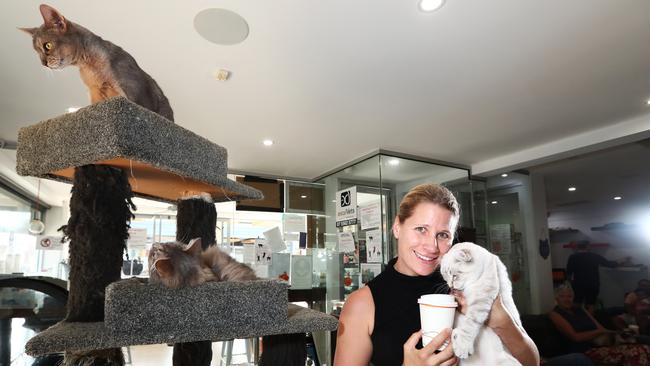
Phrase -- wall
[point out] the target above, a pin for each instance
(614, 283)
(583, 217)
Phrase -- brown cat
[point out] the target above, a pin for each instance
(176, 265)
(106, 69)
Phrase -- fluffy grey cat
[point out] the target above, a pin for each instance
(176, 265)
(481, 276)
(106, 69)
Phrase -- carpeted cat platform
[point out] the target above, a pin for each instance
(139, 313)
(164, 161)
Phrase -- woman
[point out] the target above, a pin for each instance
(581, 329)
(380, 322)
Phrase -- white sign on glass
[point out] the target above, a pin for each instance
(346, 207)
(346, 242)
(294, 223)
(301, 271)
(262, 252)
(274, 240)
(137, 238)
(373, 246)
(370, 216)
(44, 242)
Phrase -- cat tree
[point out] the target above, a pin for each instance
(112, 150)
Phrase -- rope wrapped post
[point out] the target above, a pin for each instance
(196, 217)
(100, 213)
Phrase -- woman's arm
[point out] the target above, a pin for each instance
(565, 328)
(353, 344)
(513, 337)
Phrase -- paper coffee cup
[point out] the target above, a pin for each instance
(437, 312)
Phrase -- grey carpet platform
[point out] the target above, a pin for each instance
(88, 336)
(138, 313)
(163, 160)
(132, 305)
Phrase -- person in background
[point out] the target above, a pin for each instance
(582, 271)
(637, 310)
(380, 323)
(582, 331)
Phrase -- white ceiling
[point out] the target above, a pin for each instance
(329, 81)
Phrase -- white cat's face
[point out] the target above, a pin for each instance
(463, 265)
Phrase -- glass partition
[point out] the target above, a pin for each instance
(365, 245)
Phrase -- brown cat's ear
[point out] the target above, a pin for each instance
(29, 31)
(52, 18)
(194, 247)
(164, 267)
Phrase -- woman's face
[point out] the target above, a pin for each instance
(416, 239)
(564, 299)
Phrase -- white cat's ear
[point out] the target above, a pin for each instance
(194, 246)
(29, 31)
(164, 267)
(52, 18)
(465, 255)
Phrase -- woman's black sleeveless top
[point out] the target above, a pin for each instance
(397, 314)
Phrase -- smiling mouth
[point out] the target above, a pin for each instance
(424, 258)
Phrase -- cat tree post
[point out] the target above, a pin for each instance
(100, 212)
(162, 161)
(195, 218)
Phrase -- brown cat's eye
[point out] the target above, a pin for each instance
(48, 46)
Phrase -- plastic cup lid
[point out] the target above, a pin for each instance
(438, 300)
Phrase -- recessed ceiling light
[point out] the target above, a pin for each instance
(267, 142)
(72, 109)
(494, 202)
(431, 5)
(222, 74)
(504, 175)
(648, 102)
(618, 198)
(303, 196)
(571, 189)
(393, 162)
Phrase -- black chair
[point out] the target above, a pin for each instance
(19, 293)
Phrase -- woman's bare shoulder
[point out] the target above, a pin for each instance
(361, 307)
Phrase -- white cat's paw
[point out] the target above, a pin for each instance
(462, 343)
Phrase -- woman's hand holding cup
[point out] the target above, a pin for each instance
(427, 355)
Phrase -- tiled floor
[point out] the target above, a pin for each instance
(161, 355)
(152, 355)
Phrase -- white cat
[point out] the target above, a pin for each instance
(481, 276)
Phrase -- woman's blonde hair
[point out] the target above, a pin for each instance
(432, 193)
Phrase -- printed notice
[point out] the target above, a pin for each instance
(346, 242)
(370, 216)
(301, 272)
(137, 238)
(262, 252)
(49, 242)
(373, 246)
